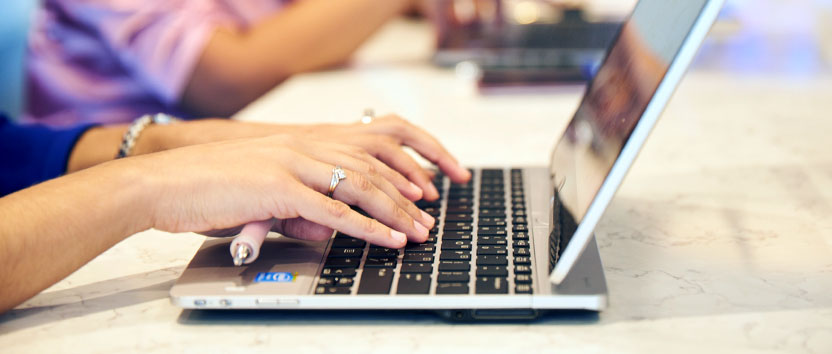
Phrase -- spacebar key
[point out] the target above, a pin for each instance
(375, 281)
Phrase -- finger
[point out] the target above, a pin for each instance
(369, 163)
(359, 190)
(373, 169)
(303, 229)
(392, 154)
(400, 182)
(385, 186)
(337, 215)
(425, 144)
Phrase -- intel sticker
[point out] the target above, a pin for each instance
(275, 277)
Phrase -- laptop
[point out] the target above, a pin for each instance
(511, 244)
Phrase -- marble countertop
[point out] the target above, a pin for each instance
(720, 238)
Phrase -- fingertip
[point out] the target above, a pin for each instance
(430, 193)
(415, 193)
(399, 238)
(429, 221)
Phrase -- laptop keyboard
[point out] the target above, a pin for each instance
(479, 245)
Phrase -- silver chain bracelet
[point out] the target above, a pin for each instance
(128, 141)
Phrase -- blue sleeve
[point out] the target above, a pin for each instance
(30, 154)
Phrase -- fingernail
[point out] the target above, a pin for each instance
(416, 189)
(421, 229)
(398, 236)
(433, 190)
(429, 220)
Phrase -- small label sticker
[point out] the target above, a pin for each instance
(275, 277)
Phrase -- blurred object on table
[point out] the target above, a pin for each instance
(525, 42)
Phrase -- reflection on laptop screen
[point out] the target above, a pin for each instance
(613, 104)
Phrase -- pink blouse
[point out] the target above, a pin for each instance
(110, 61)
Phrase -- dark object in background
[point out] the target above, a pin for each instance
(510, 53)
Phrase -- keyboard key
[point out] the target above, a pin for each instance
(413, 284)
(520, 244)
(338, 272)
(459, 209)
(520, 228)
(524, 260)
(424, 204)
(492, 204)
(452, 277)
(491, 231)
(492, 250)
(455, 256)
(493, 271)
(492, 285)
(418, 258)
(458, 226)
(335, 281)
(460, 218)
(419, 248)
(456, 245)
(385, 262)
(342, 262)
(492, 260)
(492, 222)
(523, 289)
(492, 240)
(452, 266)
(456, 236)
(493, 188)
(382, 252)
(492, 213)
(451, 288)
(517, 213)
(520, 236)
(376, 281)
(492, 197)
(417, 268)
(522, 269)
(347, 242)
(522, 279)
(345, 252)
(460, 201)
(521, 252)
(332, 290)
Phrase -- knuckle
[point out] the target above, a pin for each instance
(372, 169)
(363, 184)
(370, 227)
(337, 209)
(401, 215)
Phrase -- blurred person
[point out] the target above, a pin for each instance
(109, 61)
(53, 228)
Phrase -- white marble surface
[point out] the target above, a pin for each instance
(719, 239)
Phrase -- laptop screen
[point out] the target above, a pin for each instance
(614, 102)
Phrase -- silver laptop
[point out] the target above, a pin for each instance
(512, 243)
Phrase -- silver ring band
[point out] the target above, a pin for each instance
(337, 175)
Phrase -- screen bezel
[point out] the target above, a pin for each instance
(676, 70)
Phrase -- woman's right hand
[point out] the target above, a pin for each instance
(226, 184)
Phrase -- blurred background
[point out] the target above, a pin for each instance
(534, 43)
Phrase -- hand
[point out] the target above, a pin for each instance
(383, 139)
(226, 184)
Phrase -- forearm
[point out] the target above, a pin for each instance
(311, 34)
(52, 229)
(100, 144)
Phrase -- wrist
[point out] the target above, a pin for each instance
(130, 193)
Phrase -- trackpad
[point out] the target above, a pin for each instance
(285, 267)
